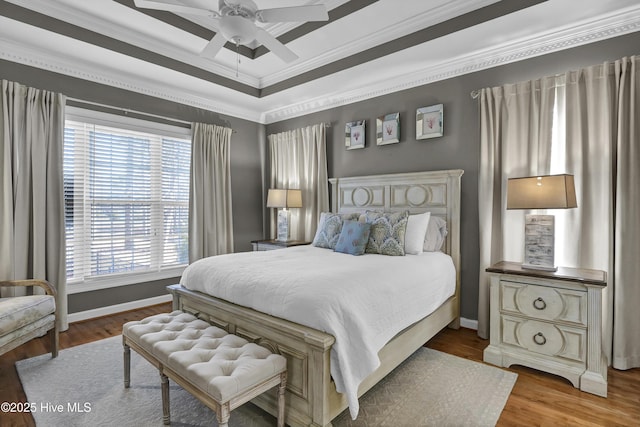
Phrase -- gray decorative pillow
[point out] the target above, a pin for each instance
(387, 232)
(329, 228)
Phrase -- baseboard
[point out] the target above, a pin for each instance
(469, 323)
(117, 308)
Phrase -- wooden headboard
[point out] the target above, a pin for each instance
(436, 191)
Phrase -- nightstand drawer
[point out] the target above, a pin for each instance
(545, 338)
(543, 302)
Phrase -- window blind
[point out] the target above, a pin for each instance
(126, 200)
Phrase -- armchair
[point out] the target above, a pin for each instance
(26, 317)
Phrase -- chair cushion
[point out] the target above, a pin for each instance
(16, 312)
(26, 333)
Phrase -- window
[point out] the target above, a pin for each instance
(126, 185)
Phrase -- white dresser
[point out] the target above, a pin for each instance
(551, 321)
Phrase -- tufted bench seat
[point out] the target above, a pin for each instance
(222, 370)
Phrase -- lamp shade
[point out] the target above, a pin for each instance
(541, 192)
(278, 198)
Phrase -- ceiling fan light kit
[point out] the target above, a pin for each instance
(237, 22)
(238, 30)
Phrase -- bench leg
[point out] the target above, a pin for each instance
(127, 366)
(166, 416)
(223, 415)
(281, 389)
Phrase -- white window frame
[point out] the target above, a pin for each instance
(138, 125)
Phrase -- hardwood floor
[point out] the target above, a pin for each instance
(537, 399)
(541, 399)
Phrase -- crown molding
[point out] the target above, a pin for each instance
(530, 47)
(42, 59)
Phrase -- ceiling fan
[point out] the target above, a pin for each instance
(237, 22)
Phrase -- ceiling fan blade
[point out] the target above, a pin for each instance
(316, 12)
(213, 47)
(174, 7)
(275, 46)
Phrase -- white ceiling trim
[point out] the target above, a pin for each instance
(42, 59)
(530, 47)
(279, 28)
(382, 35)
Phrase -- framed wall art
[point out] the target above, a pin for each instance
(354, 135)
(429, 122)
(388, 129)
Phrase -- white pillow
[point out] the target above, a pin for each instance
(414, 237)
(436, 232)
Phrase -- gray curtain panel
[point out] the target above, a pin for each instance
(626, 246)
(210, 208)
(32, 234)
(603, 152)
(515, 140)
(299, 161)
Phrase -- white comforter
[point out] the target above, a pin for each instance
(363, 301)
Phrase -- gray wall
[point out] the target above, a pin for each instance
(458, 148)
(247, 151)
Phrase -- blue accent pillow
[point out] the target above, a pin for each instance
(353, 237)
(329, 228)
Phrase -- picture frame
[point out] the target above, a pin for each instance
(355, 134)
(388, 129)
(429, 122)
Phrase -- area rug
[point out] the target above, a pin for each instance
(84, 387)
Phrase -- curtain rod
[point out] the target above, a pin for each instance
(169, 120)
(475, 93)
(127, 111)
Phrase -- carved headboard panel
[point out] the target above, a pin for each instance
(437, 192)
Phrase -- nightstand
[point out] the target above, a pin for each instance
(271, 244)
(551, 321)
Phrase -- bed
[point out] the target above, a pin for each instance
(312, 399)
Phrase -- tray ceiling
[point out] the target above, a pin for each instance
(366, 49)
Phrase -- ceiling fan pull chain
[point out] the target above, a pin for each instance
(238, 57)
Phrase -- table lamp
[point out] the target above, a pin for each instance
(540, 192)
(283, 200)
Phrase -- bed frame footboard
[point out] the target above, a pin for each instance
(311, 397)
(306, 349)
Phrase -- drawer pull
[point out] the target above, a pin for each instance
(539, 304)
(539, 339)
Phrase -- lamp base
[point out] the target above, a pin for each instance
(539, 242)
(283, 225)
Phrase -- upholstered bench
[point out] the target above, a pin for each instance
(222, 370)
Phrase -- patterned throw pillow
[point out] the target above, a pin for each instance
(329, 228)
(353, 237)
(387, 232)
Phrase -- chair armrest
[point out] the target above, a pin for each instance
(50, 290)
